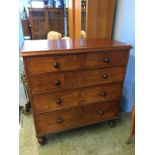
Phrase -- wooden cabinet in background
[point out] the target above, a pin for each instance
(43, 20)
(73, 83)
(25, 26)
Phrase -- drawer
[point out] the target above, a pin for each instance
(101, 76)
(106, 59)
(52, 82)
(63, 81)
(75, 117)
(62, 100)
(43, 64)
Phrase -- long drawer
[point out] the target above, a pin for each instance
(72, 98)
(75, 117)
(63, 81)
(43, 64)
(106, 59)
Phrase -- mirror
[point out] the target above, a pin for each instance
(83, 19)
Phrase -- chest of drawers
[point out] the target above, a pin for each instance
(73, 83)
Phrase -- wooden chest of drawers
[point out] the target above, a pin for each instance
(73, 83)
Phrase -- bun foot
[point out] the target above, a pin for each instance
(41, 140)
(112, 123)
(28, 107)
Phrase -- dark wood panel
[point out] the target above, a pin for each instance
(63, 81)
(75, 117)
(25, 27)
(73, 98)
(43, 20)
(106, 59)
(44, 64)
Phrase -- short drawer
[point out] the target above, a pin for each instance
(102, 76)
(75, 117)
(106, 59)
(43, 64)
(63, 81)
(52, 82)
(73, 98)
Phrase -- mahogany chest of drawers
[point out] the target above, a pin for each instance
(73, 83)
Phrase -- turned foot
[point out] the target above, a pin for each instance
(27, 107)
(41, 140)
(112, 123)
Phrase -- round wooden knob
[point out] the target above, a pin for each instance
(103, 94)
(100, 112)
(60, 120)
(104, 76)
(57, 82)
(106, 60)
(58, 101)
(56, 65)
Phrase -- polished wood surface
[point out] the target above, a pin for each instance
(70, 46)
(99, 18)
(74, 21)
(77, 19)
(64, 81)
(71, 18)
(75, 117)
(106, 59)
(65, 99)
(73, 83)
(44, 64)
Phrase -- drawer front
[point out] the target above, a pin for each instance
(106, 59)
(101, 76)
(63, 81)
(36, 65)
(53, 82)
(62, 100)
(75, 117)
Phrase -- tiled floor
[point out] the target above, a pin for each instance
(97, 139)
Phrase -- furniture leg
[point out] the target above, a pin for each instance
(112, 123)
(132, 132)
(41, 140)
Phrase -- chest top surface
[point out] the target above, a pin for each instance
(69, 46)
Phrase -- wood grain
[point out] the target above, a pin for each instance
(37, 65)
(99, 60)
(70, 46)
(73, 83)
(69, 80)
(73, 98)
(75, 117)
(75, 19)
(99, 18)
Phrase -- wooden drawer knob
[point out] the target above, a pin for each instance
(56, 64)
(57, 82)
(106, 60)
(103, 94)
(58, 101)
(100, 112)
(104, 76)
(60, 120)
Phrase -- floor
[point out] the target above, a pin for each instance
(97, 139)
